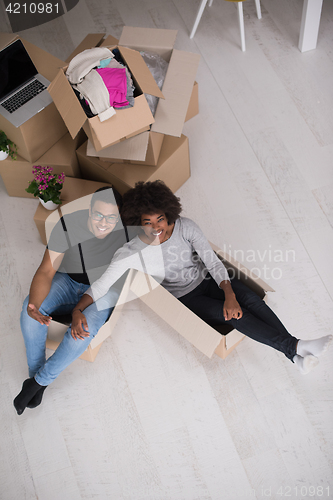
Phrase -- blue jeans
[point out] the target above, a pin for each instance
(62, 298)
(258, 321)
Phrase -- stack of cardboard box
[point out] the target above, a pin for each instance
(130, 146)
(133, 145)
(43, 139)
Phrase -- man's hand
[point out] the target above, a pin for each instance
(231, 309)
(38, 316)
(79, 328)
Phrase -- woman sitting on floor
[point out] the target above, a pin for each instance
(177, 253)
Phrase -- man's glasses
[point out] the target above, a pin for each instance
(109, 219)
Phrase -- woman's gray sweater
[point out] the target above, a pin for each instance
(179, 264)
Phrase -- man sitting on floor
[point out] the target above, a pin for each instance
(79, 250)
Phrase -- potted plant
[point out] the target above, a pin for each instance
(46, 186)
(7, 147)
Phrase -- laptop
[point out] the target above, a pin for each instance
(23, 91)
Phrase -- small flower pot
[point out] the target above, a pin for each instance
(49, 205)
(3, 155)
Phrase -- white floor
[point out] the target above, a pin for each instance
(152, 418)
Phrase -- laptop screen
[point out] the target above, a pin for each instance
(16, 68)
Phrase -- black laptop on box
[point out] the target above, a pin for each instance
(23, 91)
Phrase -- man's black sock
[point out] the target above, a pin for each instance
(29, 389)
(37, 399)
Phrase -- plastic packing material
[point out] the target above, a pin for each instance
(158, 68)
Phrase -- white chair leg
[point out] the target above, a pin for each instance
(241, 24)
(197, 20)
(210, 3)
(257, 2)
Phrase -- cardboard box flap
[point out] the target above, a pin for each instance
(177, 89)
(91, 40)
(126, 126)
(81, 154)
(184, 321)
(70, 109)
(173, 147)
(7, 39)
(125, 296)
(134, 148)
(139, 68)
(75, 189)
(242, 269)
(110, 41)
(45, 63)
(154, 40)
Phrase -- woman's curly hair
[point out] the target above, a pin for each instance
(149, 198)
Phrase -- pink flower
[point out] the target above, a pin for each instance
(46, 181)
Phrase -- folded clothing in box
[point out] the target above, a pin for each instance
(173, 103)
(101, 82)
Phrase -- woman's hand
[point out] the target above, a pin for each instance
(35, 314)
(79, 328)
(231, 309)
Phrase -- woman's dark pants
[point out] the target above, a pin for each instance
(258, 321)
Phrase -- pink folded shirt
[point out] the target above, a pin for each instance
(116, 82)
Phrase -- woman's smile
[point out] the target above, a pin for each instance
(156, 228)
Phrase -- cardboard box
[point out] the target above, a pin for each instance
(73, 189)
(144, 148)
(169, 118)
(193, 107)
(173, 167)
(16, 174)
(232, 337)
(204, 337)
(37, 135)
(178, 84)
(221, 340)
(125, 123)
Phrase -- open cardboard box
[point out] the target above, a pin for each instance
(178, 85)
(173, 167)
(144, 148)
(142, 286)
(73, 189)
(37, 135)
(126, 122)
(16, 174)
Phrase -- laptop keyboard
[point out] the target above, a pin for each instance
(24, 95)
